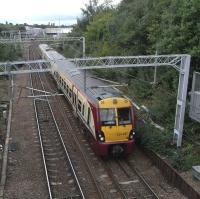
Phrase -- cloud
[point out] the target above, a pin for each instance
(30, 11)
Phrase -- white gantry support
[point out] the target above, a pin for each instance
(181, 99)
(179, 62)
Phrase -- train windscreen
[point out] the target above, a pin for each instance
(107, 117)
(124, 116)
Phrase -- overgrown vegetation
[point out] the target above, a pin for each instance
(9, 26)
(10, 52)
(140, 27)
(161, 142)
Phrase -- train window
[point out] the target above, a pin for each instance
(67, 88)
(70, 93)
(83, 110)
(74, 98)
(79, 105)
(88, 116)
(65, 85)
(107, 117)
(124, 116)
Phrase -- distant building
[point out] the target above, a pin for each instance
(33, 31)
(57, 31)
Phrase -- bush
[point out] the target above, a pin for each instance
(152, 138)
(160, 142)
(183, 159)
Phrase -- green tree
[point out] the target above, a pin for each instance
(97, 35)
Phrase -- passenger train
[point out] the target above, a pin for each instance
(106, 113)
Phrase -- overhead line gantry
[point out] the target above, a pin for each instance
(179, 62)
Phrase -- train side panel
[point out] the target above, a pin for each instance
(79, 103)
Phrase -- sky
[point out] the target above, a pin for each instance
(42, 11)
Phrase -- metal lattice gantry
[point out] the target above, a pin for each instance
(179, 62)
(22, 67)
(45, 38)
(129, 61)
(18, 38)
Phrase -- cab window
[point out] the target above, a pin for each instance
(124, 116)
(107, 117)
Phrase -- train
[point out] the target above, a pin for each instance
(108, 115)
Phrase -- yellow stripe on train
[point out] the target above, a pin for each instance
(115, 102)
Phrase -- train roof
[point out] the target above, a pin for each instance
(95, 88)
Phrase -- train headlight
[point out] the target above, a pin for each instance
(100, 136)
(131, 135)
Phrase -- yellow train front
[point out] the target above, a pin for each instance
(116, 127)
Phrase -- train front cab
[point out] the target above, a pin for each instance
(116, 130)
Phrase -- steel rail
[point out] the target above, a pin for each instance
(115, 181)
(140, 177)
(65, 149)
(41, 145)
(88, 165)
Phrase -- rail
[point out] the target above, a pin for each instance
(115, 181)
(142, 190)
(66, 152)
(41, 145)
(83, 155)
(142, 179)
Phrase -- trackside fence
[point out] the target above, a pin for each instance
(172, 175)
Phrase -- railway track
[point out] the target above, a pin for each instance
(109, 187)
(65, 134)
(62, 180)
(129, 181)
(104, 182)
(104, 188)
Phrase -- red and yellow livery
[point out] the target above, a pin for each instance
(106, 113)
